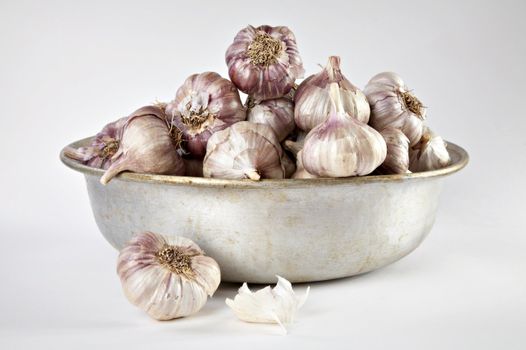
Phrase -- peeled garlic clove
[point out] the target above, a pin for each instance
(193, 167)
(312, 101)
(429, 154)
(264, 62)
(145, 147)
(204, 104)
(268, 305)
(397, 160)
(300, 172)
(276, 113)
(393, 104)
(342, 145)
(245, 150)
(102, 148)
(166, 276)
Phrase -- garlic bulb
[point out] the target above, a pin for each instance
(268, 305)
(397, 160)
(244, 150)
(204, 104)
(276, 113)
(193, 167)
(393, 104)
(145, 146)
(102, 148)
(300, 172)
(342, 146)
(429, 154)
(312, 101)
(168, 277)
(264, 62)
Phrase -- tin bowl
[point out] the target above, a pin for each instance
(304, 230)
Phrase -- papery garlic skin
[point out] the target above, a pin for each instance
(300, 172)
(102, 148)
(342, 146)
(244, 150)
(312, 101)
(268, 305)
(397, 160)
(429, 154)
(393, 104)
(145, 147)
(166, 276)
(264, 62)
(204, 104)
(276, 113)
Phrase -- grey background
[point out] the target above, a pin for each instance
(67, 68)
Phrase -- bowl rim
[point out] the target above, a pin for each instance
(459, 157)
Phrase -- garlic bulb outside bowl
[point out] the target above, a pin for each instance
(166, 276)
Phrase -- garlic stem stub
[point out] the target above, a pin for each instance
(429, 154)
(276, 113)
(264, 62)
(145, 146)
(244, 150)
(268, 305)
(394, 104)
(204, 104)
(313, 103)
(342, 146)
(166, 276)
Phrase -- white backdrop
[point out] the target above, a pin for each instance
(67, 68)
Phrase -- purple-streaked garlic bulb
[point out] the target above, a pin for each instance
(312, 101)
(393, 104)
(277, 113)
(102, 148)
(429, 154)
(397, 160)
(166, 276)
(245, 150)
(204, 104)
(264, 62)
(342, 146)
(145, 146)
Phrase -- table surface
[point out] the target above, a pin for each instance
(69, 68)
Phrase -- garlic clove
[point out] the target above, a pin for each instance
(313, 103)
(268, 305)
(397, 160)
(429, 154)
(393, 104)
(342, 146)
(168, 277)
(145, 146)
(264, 62)
(204, 104)
(245, 150)
(288, 165)
(300, 172)
(276, 113)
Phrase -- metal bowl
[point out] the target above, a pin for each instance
(303, 230)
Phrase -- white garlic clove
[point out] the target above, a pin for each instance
(393, 104)
(244, 150)
(204, 104)
(397, 160)
(429, 154)
(342, 146)
(145, 147)
(264, 62)
(301, 173)
(166, 276)
(313, 103)
(102, 148)
(276, 113)
(268, 305)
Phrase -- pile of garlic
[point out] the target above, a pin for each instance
(325, 127)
